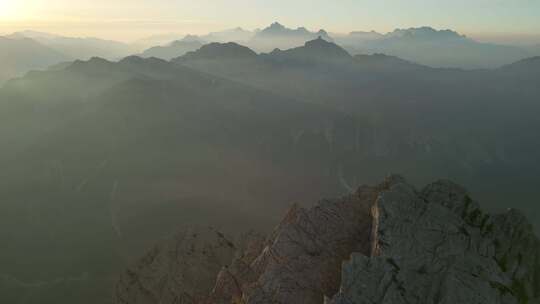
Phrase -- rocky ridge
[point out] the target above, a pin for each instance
(389, 243)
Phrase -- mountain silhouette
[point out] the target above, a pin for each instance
(425, 33)
(174, 49)
(436, 48)
(278, 36)
(18, 56)
(318, 50)
(217, 50)
(79, 48)
(238, 35)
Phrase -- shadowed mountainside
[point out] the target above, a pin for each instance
(120, 154)
(471, 125)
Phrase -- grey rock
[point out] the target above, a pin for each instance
(180, 270)
(301, 263)
(437, 246)
(400, 245)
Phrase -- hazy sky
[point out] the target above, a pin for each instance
(131, 19)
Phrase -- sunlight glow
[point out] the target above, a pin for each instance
(9, 9)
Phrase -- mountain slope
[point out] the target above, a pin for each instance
(414, 112)
(18, 56)
(125, 149)
(79, 48)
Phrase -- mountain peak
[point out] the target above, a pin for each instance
(318, 50)
(426, 32)
(98, 60)
(322, 33)
(323, 46)
(137, 60)
(303, 30)
(275, 28)
(94, 63)
(276, 25)
(215, 50)
(278, 29)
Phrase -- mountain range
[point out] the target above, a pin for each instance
(280, 37)
(101, 158)
(98, 140)
(425, 45)
(436, 48)
(79, 48)
(22, 52)
(276, 36)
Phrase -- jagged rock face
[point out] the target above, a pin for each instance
(399, 245)
(437, 246)
(232, 279)
(301, 263)
(181, 270)
(301, 260)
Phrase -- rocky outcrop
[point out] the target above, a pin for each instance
(302, 261)
(437, 246)
(400, 245)
(181, 270)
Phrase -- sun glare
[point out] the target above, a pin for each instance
(9, 9)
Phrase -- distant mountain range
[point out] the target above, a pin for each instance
(425, 45)
(24, 51)
(276, 36)
(281, 37)
(79, 48)
(437, 48)
(232, 35)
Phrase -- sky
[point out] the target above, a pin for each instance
(128, 20)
